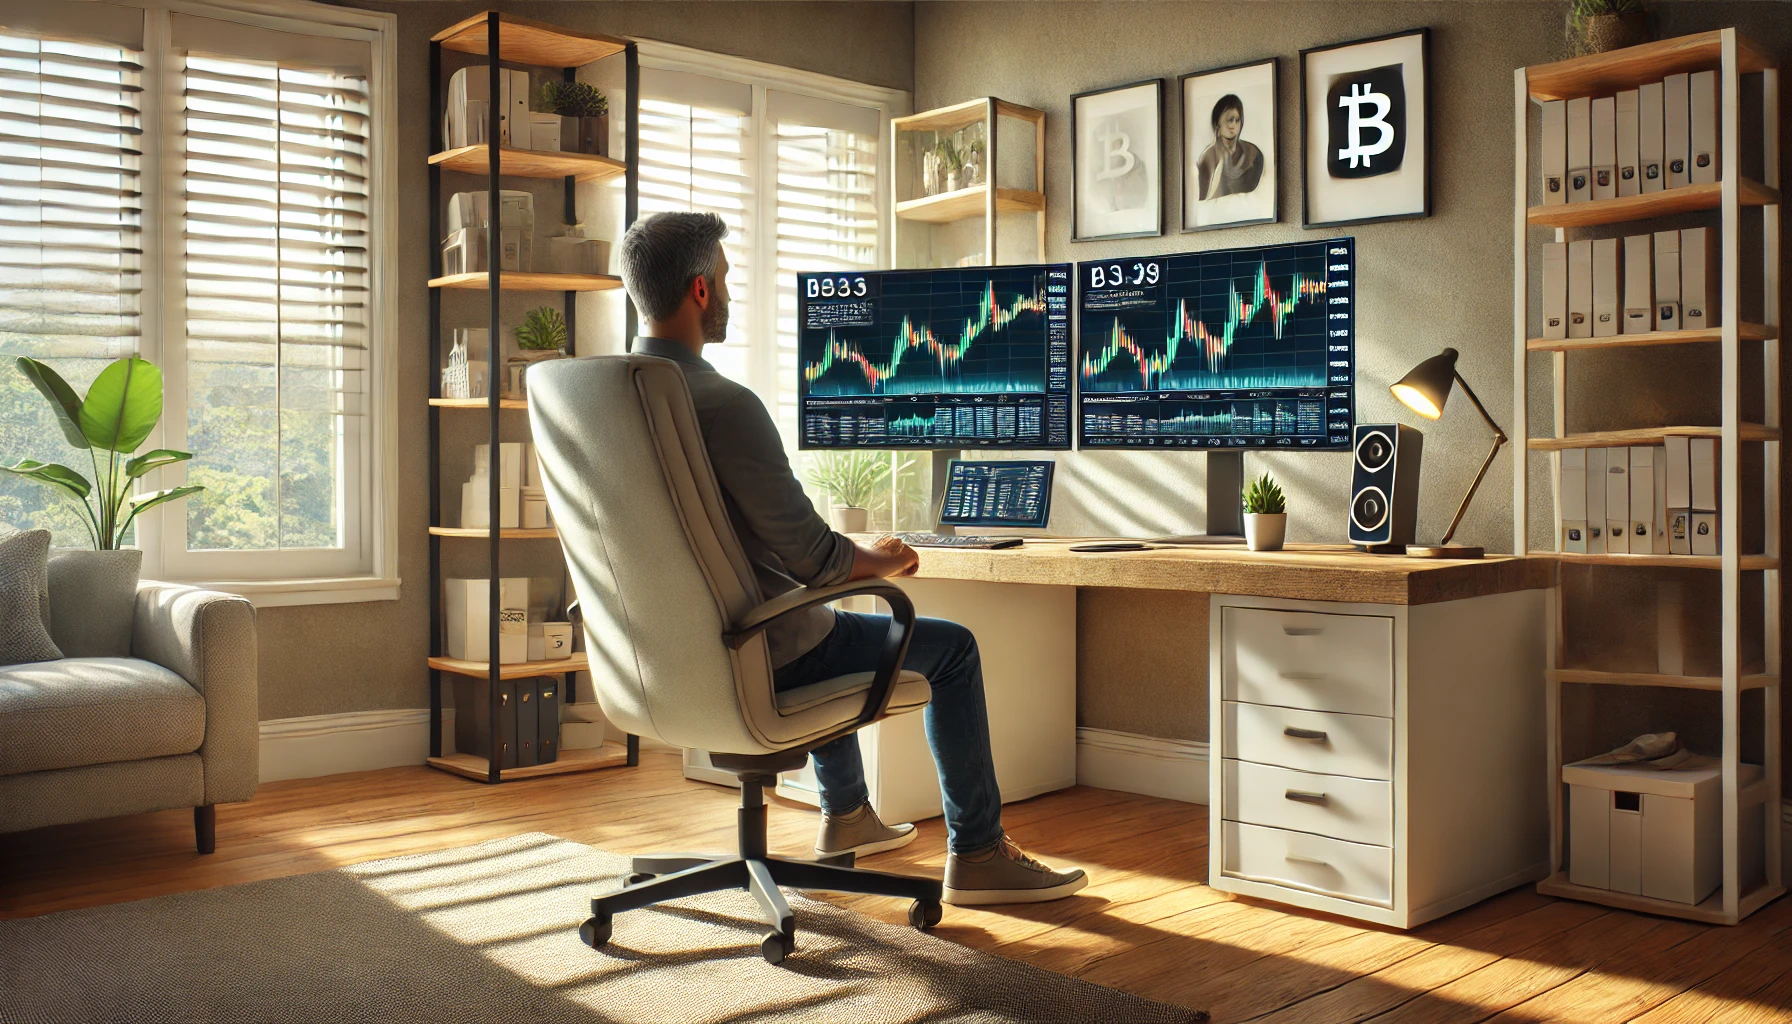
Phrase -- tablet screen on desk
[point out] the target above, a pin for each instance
(1004, 493)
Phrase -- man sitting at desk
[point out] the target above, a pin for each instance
(676, 272)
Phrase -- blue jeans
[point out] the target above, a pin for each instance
(957, 722)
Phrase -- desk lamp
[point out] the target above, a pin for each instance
(1424, 390)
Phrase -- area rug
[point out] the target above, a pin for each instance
(490, 933)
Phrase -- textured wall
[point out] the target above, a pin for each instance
(1422, 285)
(339, 658)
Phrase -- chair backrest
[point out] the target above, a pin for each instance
(659, 571)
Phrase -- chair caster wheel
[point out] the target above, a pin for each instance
(637, 878)
(777, 946)
(595, 932)
(924, 914)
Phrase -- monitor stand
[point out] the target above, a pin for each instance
(1225, 505)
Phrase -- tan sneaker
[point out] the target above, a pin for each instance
(860, 833)
(1006, 875)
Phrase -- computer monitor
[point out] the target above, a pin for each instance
(935, 359)
(1227, 349)
(1005, 493)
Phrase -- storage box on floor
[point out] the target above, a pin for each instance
(1656, 833)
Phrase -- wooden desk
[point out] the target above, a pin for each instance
(1308, 572)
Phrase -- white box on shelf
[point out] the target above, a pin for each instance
(1667, 280)
(556, 640)
(1676, 137)
(1702, 467)
(534, 509)
(1595, 500)
(1580, 288)
(1701, 118)
(544, 133)
(1639, 285)
(1656, 833)
(1629, 176)
(536, 645)
(1580, 149)
(1555, 290)
(1705, 538)
(1678, 493)
(1699, 291)
(1555, 152)
(1617, 501)
(1642, 499)
(467, 611)
(475, 503)
(1660, 543)
(1605, 287)
(1571, 490)
(1605, 148)
(1648, 137)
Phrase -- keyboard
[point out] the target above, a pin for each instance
(936, 540)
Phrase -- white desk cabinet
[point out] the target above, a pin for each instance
(1382, 762)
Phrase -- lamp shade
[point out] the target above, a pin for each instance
(1426, 387)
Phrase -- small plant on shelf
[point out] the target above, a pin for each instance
(1265, 514)
(588, 109)
(1596, 26)
(543, 330)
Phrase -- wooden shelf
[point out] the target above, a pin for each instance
(530, 163)
(1710, 912)
(967, 203)
(609, 755)
(1602, 74)
(517, 281)
(478, 403)
(959, 115)
(1750, 680)
(1685, 199)
(1646, 435)
(1750, 563)
(520, 670)
(507, 533)
(1744, 332)
(530, 42)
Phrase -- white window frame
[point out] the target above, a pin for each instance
(762, 333)
(368, 570)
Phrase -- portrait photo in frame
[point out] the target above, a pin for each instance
(1365, 130)
(1229, 154)
(1117, 159)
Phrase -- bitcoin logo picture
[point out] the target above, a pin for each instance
(1367, 122)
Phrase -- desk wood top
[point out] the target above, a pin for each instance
(1312, 572)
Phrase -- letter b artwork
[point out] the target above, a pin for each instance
(1365, 152)
(1367, 122)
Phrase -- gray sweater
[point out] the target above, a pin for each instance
(789, 545)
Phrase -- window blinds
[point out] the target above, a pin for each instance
(275, 239)
(70, 192)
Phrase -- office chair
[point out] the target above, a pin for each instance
(674, 630)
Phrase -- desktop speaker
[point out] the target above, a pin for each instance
(1384, 486)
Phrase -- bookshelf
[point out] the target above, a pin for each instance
(562, 52)
(1005, 189)
(1739, 64)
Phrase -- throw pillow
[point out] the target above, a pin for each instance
(25, 599)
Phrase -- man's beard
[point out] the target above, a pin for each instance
(715, 322)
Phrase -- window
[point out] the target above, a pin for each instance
(791, 161)
(240, 150)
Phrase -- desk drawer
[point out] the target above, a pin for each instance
(1361, 746)
(1312, 660)
(1352, 871)
(1358, 810)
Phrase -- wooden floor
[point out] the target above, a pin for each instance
(1146, 924)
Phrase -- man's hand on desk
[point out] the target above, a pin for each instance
(883, 558)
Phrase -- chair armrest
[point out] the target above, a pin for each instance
(208, 639)
(889, 662)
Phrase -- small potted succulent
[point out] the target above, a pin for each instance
(541, 335)
(1598, 26)
(585, 113)
(1265, 515)
(951, 165)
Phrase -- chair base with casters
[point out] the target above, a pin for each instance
(657, 879)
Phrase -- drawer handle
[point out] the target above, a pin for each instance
(1303, 630)
(1304, 734)
(1302, 677)
(1305, 797)
(1298, 859)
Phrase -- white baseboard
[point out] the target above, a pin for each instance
(305, 748)
(1130, 763)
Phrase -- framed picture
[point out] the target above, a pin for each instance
(1365, 130)
(1229, 146)
(1116, 152)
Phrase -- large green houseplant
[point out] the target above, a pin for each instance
(119, 413)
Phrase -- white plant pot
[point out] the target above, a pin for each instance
(850, 519)
(1265, 531)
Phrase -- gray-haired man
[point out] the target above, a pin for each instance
(675, 270)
